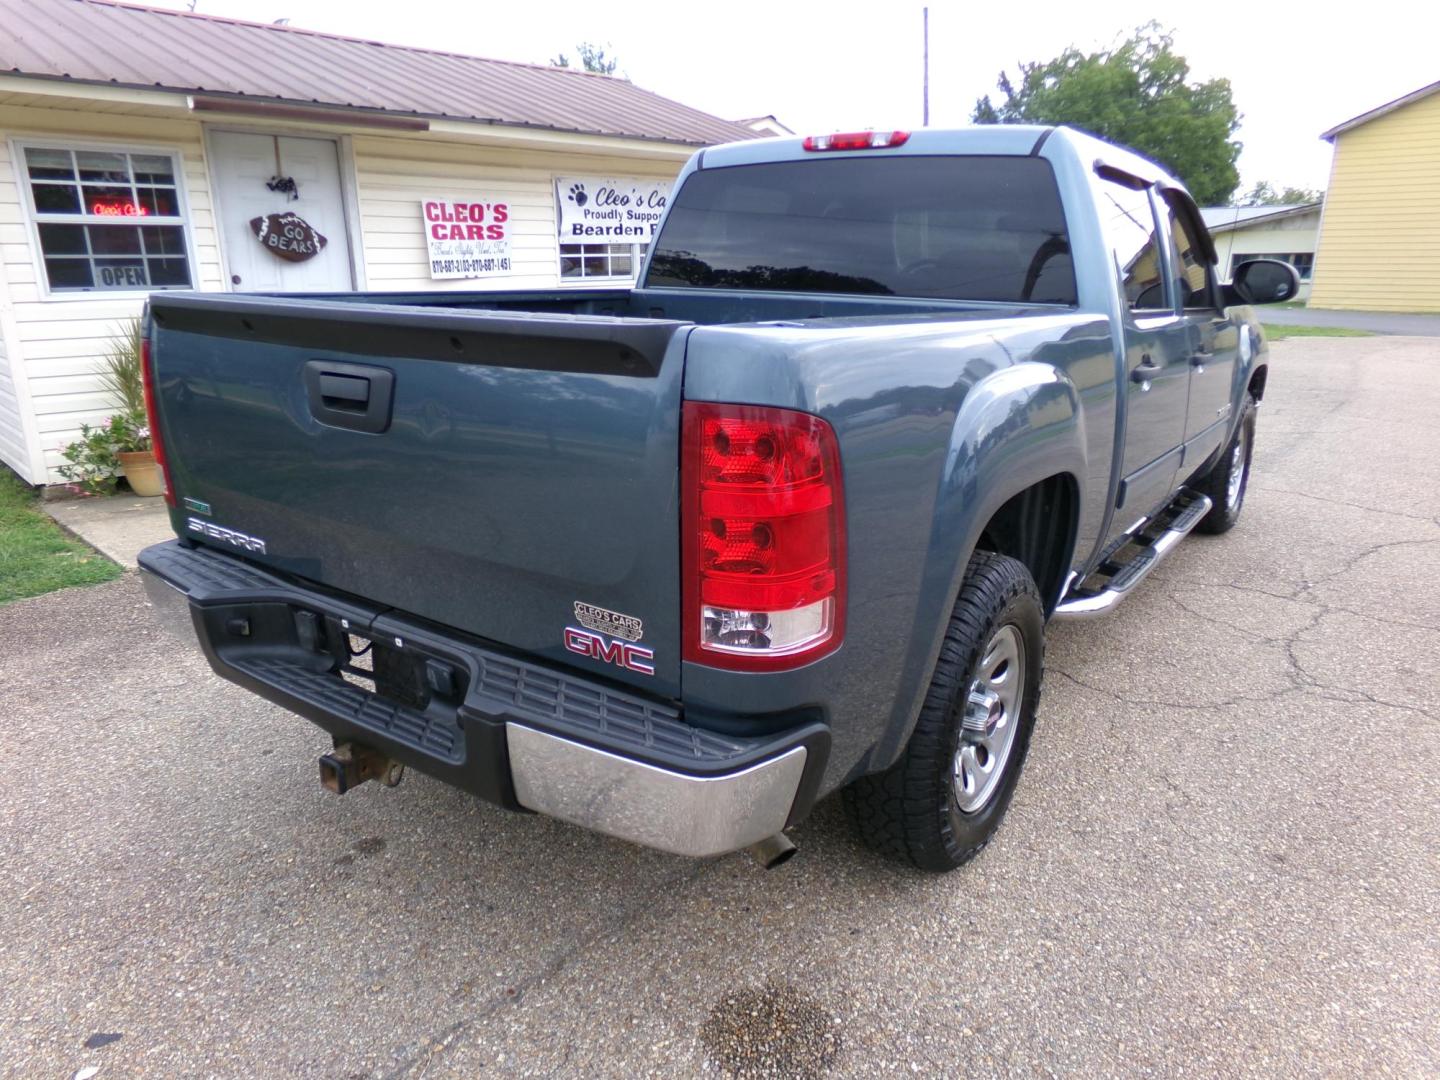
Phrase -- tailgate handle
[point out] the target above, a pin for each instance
(353, 396)
(344, 391)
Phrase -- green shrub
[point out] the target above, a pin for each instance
(91, 463)
(120, 374)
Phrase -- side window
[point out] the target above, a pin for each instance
(1192, 276)
(1129, 223)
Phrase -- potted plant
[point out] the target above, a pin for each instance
(122, 444)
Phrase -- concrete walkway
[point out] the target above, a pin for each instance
(117, 525)
(1377, 322)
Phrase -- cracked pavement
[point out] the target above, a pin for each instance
(1222, 858)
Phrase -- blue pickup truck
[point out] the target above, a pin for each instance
(675, 562)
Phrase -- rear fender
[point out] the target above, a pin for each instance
(1016, 427)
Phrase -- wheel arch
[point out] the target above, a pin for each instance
(1258, 377)
(1016, 451)
(1037, 527)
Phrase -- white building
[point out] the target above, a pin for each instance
(1288, 233)
(143, 149)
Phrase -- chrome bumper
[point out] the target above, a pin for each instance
(171, 607)
(678, 812)
(671, 811)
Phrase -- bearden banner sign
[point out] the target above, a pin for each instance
(289, 236)
(467, 238)
(607, 210)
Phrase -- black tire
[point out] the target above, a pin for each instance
(912, 811)
(1226, 510)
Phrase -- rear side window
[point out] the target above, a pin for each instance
(1129, 223)
(954, 228)
(1192, 279)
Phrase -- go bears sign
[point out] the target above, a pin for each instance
(288, 236)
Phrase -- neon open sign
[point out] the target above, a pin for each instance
(118, 209)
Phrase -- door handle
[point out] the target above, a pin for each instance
(353, 396)
(1200, 359)
(1146, 370)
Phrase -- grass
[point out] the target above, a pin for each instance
(1280, 333)
(35, 555)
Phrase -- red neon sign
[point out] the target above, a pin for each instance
(118, 209)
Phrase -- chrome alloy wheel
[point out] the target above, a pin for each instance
(1235, 479)
(992, 714)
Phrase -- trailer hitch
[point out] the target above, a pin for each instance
(350, 765)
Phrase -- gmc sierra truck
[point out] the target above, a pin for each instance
(789, 518)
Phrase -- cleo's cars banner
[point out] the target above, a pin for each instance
(609, 210)
(467, 238)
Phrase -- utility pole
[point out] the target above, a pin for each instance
(926, 121)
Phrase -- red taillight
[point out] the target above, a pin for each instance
(763, 523)
(857, 140)
(152, 417)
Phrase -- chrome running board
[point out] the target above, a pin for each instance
(1085, 602)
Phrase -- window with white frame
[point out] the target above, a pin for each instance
(601, 260)
(108, 219)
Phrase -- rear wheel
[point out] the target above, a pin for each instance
(939, 805)
(1228, 479)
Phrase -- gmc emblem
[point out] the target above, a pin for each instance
(598, 647)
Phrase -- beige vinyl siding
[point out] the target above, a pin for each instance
(13, 444)
(61, 339)
(1380, 237)
(1282, 237)
(55, 342)
(15, 416)
(395, 174)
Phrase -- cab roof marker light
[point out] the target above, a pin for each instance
(857, 140)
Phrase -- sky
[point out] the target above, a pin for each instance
(1295, 69)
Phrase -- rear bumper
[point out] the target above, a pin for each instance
(519, 734)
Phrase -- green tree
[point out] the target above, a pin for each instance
(1262, 194)
(1135, 93)
(592, 59)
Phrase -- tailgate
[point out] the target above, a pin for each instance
(486, 471)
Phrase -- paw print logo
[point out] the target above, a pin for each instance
(578, 195)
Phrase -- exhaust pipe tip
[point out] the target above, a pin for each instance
(773, 851)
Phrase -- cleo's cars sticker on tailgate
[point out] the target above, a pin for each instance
(604, 621)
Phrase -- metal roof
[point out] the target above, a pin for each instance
(1379, 111)
(1225, 218)
(115, 44)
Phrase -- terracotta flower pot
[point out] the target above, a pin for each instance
(144, 475)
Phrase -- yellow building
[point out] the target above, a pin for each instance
(1380, 233)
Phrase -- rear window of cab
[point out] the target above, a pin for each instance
(951, 227)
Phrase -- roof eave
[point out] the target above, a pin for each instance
(1376, 113)
(1293, 211)
(155, 94)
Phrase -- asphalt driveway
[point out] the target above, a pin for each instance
(1224, 857)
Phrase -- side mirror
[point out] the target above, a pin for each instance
(1262, 281)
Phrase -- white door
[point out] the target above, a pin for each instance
(244, 166)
